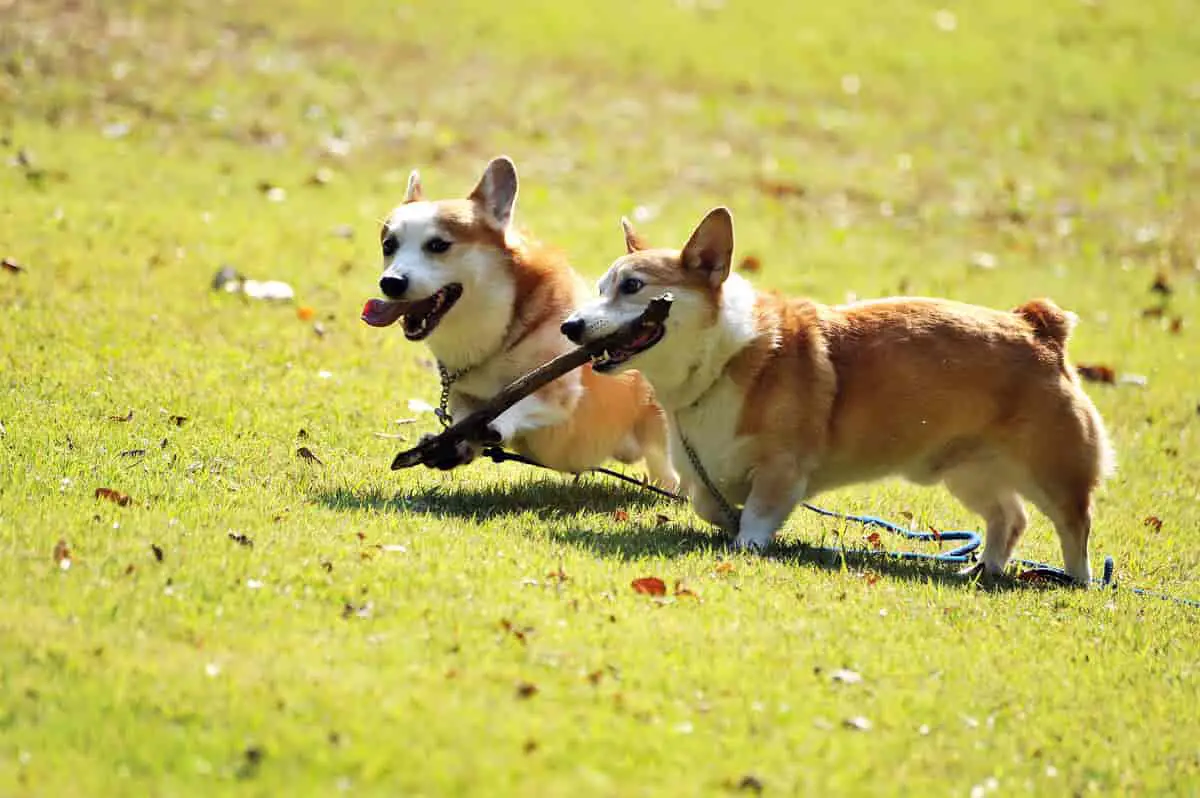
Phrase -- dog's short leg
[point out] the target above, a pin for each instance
(528, 414)
(980, 488)
(651, 433)
(774, 493)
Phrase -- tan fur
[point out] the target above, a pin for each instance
(809, 397)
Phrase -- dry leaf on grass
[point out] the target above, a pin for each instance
(620, 515)
(846, 676)
(1176, 326)
(725, 567)
(526, 690)
(177, 420)
(304, 453)
(650, 586)
(751, 783)
(1153, 521)
(520, 633)
(114, 496)
(11, 266)
(157, 551)
(683, 591)
(751, 264)
(127, 417)
(62, 554)
(875, 541)
(1097, 373)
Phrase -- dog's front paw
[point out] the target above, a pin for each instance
(447, 456)
(751, 544)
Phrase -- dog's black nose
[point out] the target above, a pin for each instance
(573, 329)
(393, 287)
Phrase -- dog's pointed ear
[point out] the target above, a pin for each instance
(414, 193)
(710, 249)
(496, 193)
(633, 241)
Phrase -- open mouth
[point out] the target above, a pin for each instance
(420, 318)
(611, 358)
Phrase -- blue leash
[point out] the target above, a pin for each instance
(966, 553)
(1038, 571)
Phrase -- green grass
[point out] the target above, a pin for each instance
(1058, 137)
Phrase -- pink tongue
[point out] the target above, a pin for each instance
(381, 312)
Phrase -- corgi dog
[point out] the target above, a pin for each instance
(488, 301)
(773, 400)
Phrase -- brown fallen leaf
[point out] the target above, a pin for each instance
(62, 554)
(127, 417)
(558, 575)
(531, 746)
(1153, 521)
(620, 515)
(158, 551)
(751, 264)
(870, 577)
(875, 541)
(1154, 312)
(1176, 326)
(520, 633)
(725, 567)
(781, 189)
(304, 453)
(683, 591)
(1095, 373)
(177, 420)
(526, 690)
(11, 266)
(650, 586)
(114, 496)
(595, 676)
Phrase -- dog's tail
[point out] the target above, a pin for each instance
(1051, 324)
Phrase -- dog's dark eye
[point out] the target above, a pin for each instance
(437, 245)
(390, 245)
(631, 285)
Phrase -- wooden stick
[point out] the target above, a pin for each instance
(473, 426)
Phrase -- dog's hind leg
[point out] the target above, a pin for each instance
(982, 490)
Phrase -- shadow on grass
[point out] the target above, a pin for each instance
(636, 541)
(555, 499)
(552, 499)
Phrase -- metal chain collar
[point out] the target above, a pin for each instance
(728, 510)
(448, 379)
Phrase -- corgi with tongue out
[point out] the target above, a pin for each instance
(488, 301)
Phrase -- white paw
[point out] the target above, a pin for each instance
(750, 543)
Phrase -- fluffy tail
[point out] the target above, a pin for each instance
(1051, 324)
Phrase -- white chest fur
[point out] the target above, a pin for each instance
(710, 427)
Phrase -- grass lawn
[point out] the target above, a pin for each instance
(253, 622)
